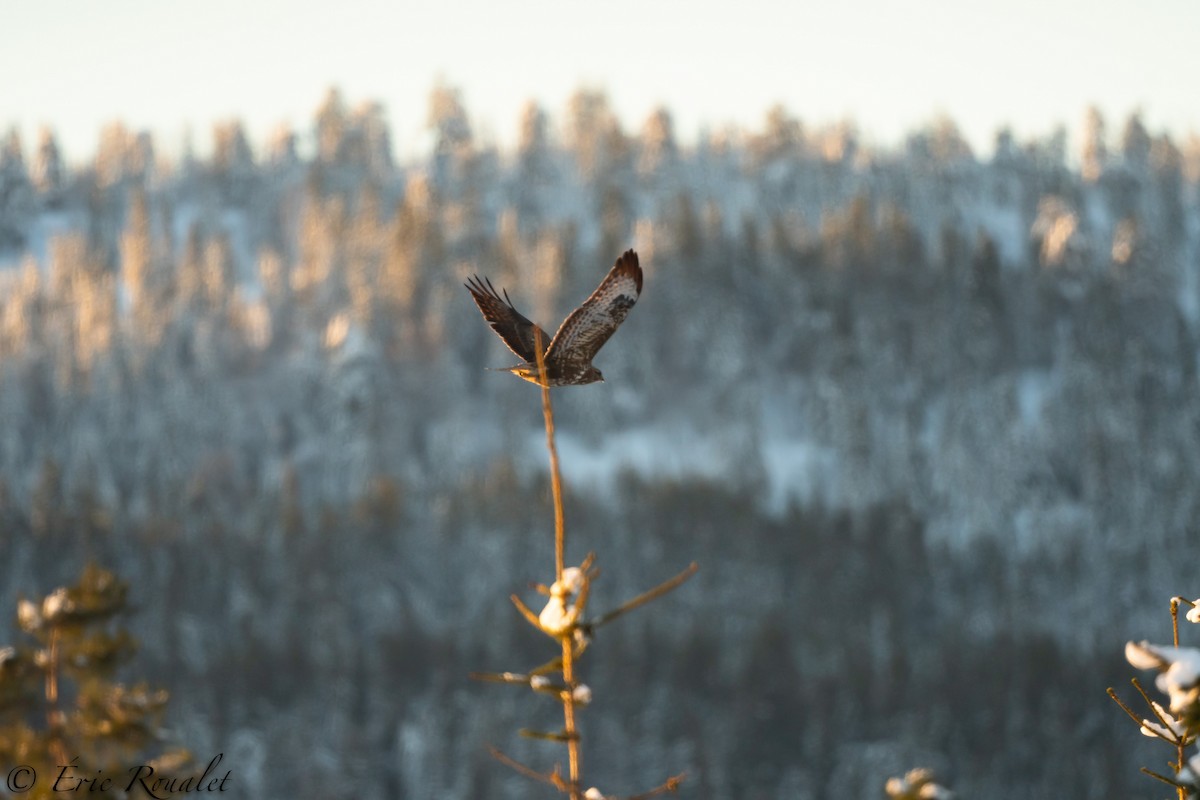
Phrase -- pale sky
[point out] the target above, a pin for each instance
(173, 65)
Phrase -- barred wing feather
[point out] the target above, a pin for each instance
(513, 328)
(588, 327)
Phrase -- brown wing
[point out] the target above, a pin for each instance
(512, 327)
(588, 327)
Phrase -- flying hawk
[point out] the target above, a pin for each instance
(568, 356)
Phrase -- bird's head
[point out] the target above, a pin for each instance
(593, 375)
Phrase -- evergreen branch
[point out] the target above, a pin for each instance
(670, 785)
(645, 597)
(1163, 778)
(585, 590)
(1116, 699)
(553, 665)
(499, 677)
(558, 736)
(554, 778)
(531, 617)
(1150, 703)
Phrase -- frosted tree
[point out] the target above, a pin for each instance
(218, 273)
(320, 252)
(83, 304)
(940, 144)
(49, 173)
(1190, 152)
(233, 167)
(604, 158)
(453, 140)
(460, 174)
(189, 273)
(123, 155)
(686, 233)
(352, 147)
(414, 243)
(776, 156)
(369, 142)
(593, 134)
(1055, 234)
(838, 143)
(1125, 186)
(534, 170)
(899, 241)
(1166, 165)
(17, 200)
(659, 154)
(1048, 154)
(64, 716)
(1135, 144)
(448, 120)
(366, 241)
(281, 149)
(1094, 155)
(136, 251)
(1177, 723)
(1004, 174)
(19, 313)
(537, 263)
(330, 126)
(782, 138)
(533, 140)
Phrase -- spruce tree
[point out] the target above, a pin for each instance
(67, 724)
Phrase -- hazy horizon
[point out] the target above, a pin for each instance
(890, 68)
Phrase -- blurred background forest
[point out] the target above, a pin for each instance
(928, 419)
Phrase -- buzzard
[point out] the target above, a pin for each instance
(568, 357)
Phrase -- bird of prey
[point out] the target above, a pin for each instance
(568, 356)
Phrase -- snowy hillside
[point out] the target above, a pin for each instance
(890, 400)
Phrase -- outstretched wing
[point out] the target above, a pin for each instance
(511, 326)
(588, 327)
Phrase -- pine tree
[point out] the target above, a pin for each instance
(17, 200)
(371, 141)
(331, 127)
(1094, 157)
(590, 131)
(533, 142)
(453, 140)
(136, 251)
(123, 156)
(1135, 144)
(49, 174)
(534, 167)
(659, 153)
(233, 165)
(65, 719)
(782, 138)
(1166, 162)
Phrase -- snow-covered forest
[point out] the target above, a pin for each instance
(927, 418)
